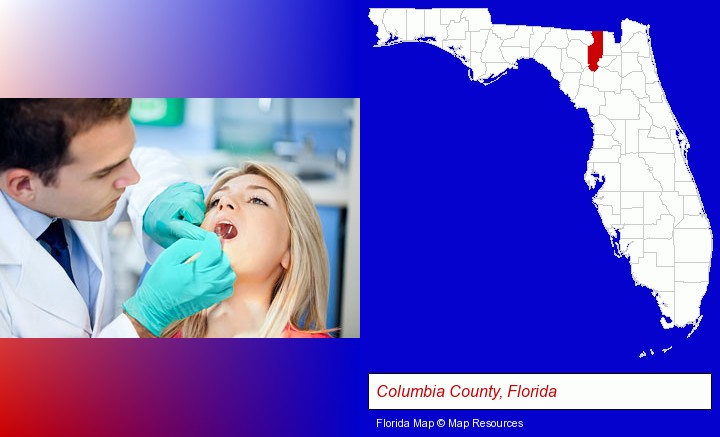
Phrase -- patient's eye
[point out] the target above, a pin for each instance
(214, 202)
(257, 201)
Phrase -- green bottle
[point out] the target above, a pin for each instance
(158, 112)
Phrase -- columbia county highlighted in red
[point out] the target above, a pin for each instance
(595, 50)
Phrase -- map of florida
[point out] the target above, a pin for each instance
(646, 196)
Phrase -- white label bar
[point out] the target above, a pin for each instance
(540, 391)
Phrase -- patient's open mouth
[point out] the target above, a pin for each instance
(226, 230)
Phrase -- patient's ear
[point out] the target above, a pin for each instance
(19, 184)
(285, 261)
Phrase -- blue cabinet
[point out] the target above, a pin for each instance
(332, 224)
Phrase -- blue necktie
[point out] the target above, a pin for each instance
(54, 236)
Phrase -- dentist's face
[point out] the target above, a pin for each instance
(89, 187)
(251, 215)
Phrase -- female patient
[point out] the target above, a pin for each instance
(272, 235)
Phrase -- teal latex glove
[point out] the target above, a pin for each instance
(173, 290)
(175, 213)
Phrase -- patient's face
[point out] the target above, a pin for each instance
(249, 214)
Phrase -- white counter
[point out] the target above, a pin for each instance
(327, 192)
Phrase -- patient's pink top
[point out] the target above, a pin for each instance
(292, 332)
(289, 332)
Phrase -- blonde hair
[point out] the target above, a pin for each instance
(301, 293)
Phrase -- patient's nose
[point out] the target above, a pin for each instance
(225, 202)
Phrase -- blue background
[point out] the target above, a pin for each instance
(483, 252)
(499, 260)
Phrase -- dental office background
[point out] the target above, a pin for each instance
(317, 140)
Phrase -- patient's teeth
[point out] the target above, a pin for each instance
(225, 230)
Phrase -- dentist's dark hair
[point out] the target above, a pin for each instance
(35, 134)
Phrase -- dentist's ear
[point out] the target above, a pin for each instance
(19, 184)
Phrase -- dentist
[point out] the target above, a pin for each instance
(68, 174)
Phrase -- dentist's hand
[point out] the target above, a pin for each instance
(175, 213)
(173, 290)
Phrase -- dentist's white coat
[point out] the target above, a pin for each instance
(37, 299)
